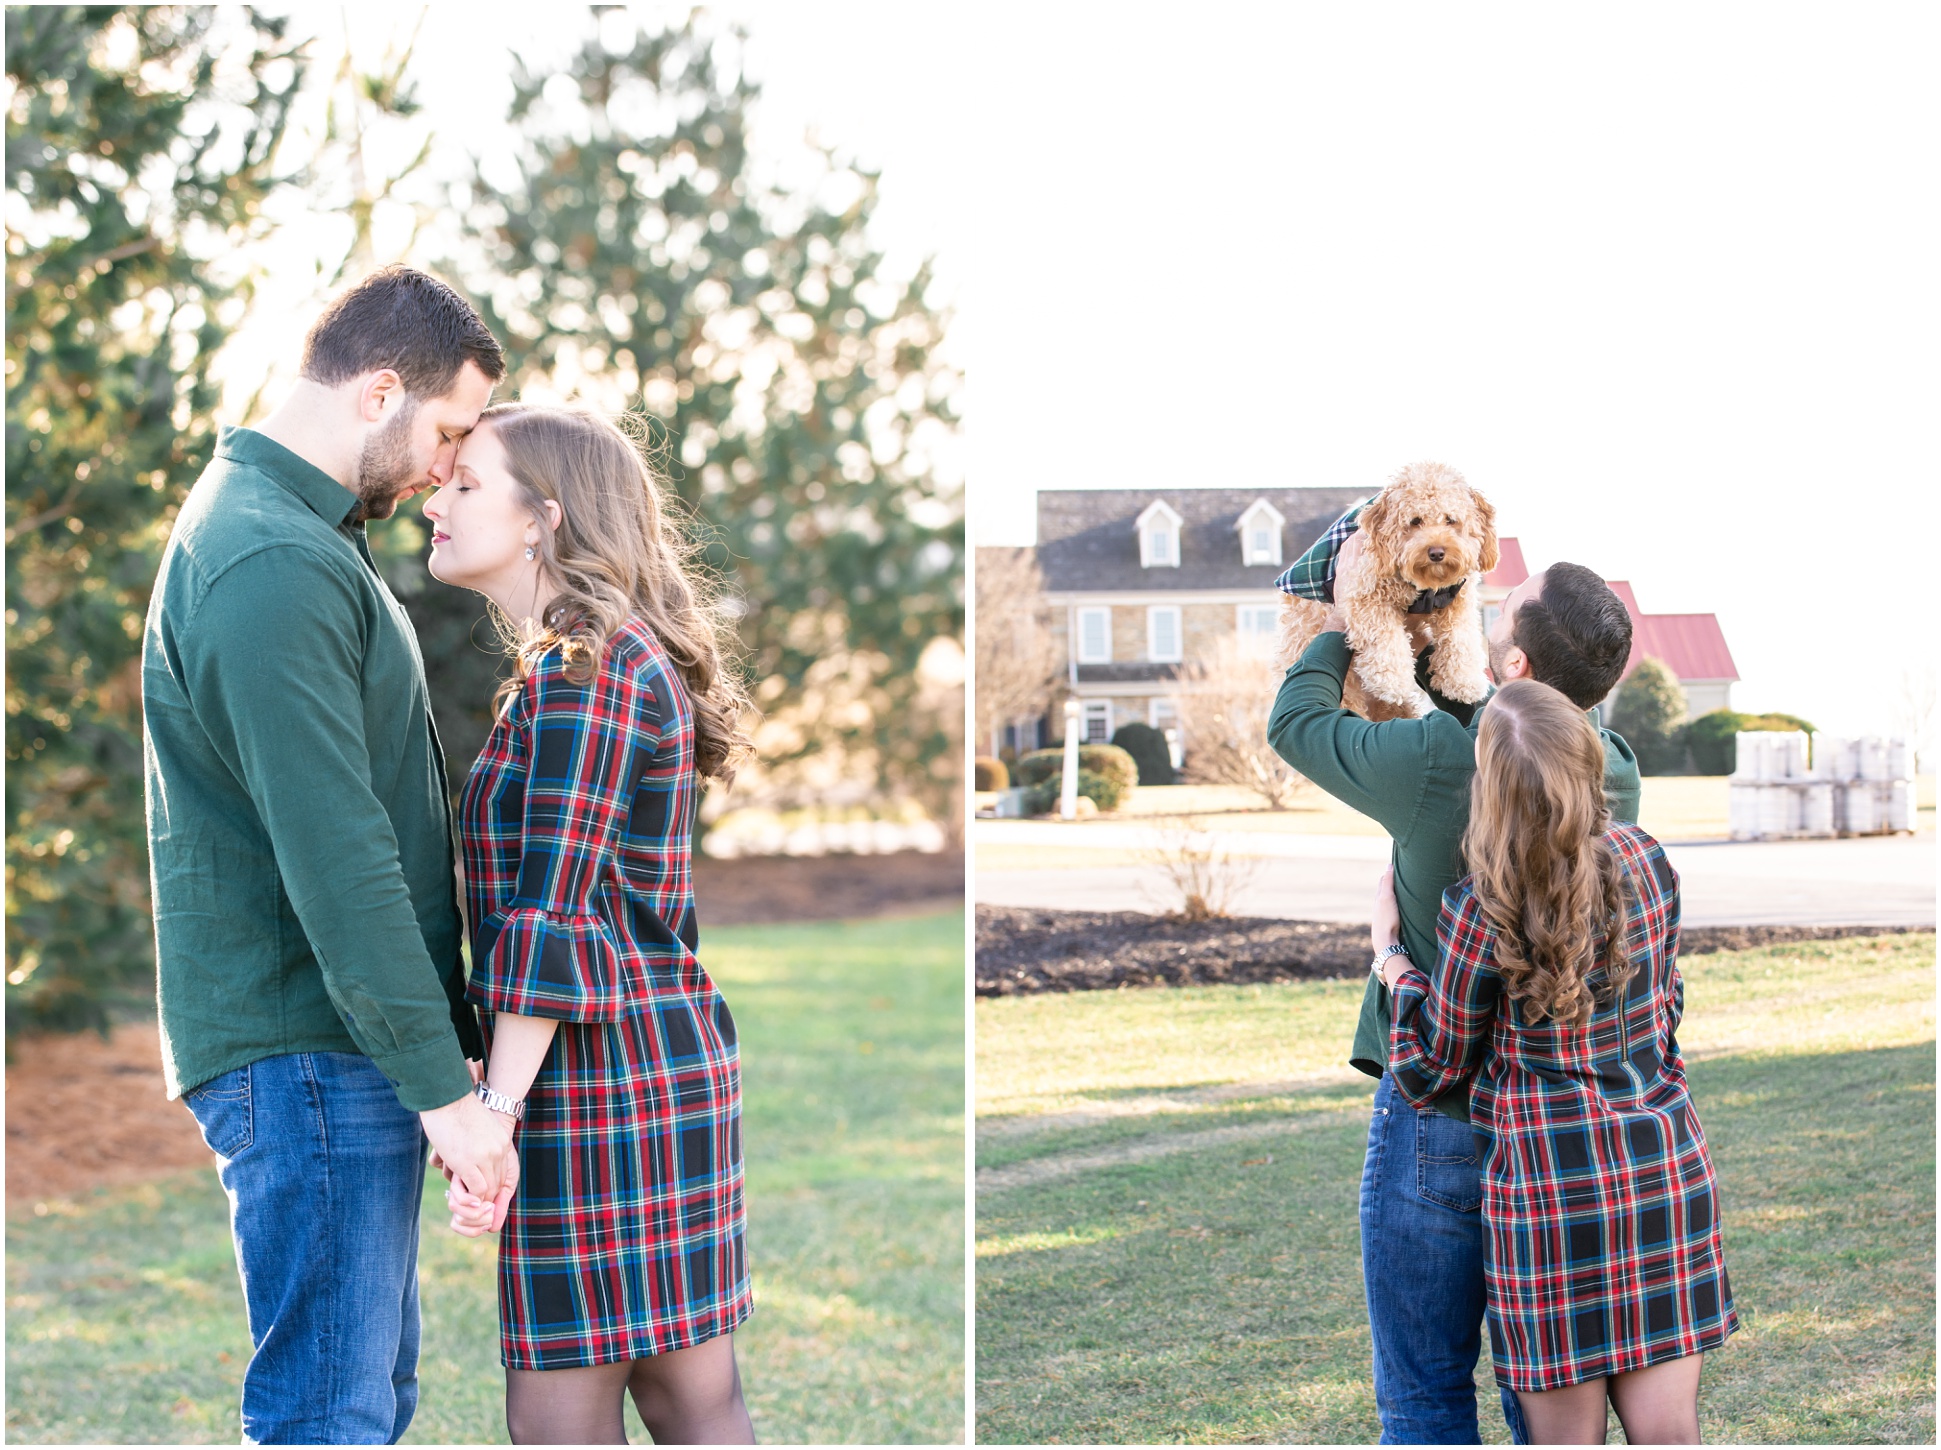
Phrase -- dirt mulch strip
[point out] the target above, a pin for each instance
(754, 890)
(1021, 950)
(83, 1114)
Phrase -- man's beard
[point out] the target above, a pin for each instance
(385, 468)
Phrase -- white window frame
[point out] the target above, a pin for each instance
(1078, 625)
(1259, 640)
(1162, 712)
(1261, 515)
(1153, 613)
(1159, 518)
(1095, 710)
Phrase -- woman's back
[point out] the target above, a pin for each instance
(1599, 1199)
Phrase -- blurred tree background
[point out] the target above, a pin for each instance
(635, 258)
(134, 171)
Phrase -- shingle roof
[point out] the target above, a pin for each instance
(1692, 646)
(1087, 540)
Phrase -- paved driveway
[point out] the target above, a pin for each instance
(1869, 881)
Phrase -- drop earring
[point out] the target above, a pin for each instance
(529, 553)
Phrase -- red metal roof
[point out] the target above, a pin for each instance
(1509, 571)
(1692, 646)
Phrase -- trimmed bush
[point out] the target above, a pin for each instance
(1103, 791)
(1147, 747)
(1106, 760)
(1713, 738)
(1713, 743)
(990, 774)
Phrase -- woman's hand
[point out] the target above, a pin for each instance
(1385, 930)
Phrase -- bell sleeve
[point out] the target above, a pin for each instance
(1441, 1023)
(548, 952)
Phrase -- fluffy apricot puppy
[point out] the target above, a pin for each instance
(1427, 540)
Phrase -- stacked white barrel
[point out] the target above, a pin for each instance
(1873, 783)
(1786, 787)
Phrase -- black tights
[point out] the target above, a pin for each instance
(685, 1397)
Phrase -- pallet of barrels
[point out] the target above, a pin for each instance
(1788, 785)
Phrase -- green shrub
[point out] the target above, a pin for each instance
(1778, 722)
(990, 774)
(1147, 747)
(1713, 742)
(1649, 711)
(1713, 738)
(1104, 791)
(1106, 760)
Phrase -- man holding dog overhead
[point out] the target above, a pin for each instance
(1421, 1190)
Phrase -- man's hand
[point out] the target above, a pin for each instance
(470, 1143)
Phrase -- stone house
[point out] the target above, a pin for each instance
(1142, 580)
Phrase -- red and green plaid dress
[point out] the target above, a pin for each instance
(625, 1238)
(1600, 1207)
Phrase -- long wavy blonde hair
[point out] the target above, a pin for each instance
(616, 554)
(1545, 876)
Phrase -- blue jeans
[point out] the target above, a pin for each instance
(1422, 1264)
(324, 1172)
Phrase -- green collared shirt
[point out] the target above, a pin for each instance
(1411, 777)
(299, 828)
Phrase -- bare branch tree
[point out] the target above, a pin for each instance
(1224, 700)
(1914, 712)
(1205, 874)
(1017, 660)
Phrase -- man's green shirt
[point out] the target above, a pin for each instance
(299, 827)
(1412, 777)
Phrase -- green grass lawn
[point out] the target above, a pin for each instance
(125, 1320)
(1167, 1246)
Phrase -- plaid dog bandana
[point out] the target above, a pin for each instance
(1312, 575)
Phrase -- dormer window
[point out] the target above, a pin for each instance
(1159, 537)
(1260, 534)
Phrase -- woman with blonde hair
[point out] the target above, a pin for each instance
(1558, 996)
(621, 1260)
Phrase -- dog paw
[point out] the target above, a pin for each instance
(1466, 692)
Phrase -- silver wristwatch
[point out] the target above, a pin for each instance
(514, 1108)
(1397, 950)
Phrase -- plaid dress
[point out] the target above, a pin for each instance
(1602, 1249)
(625, 1237)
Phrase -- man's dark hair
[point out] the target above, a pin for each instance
(405, 320)
(1576, 633)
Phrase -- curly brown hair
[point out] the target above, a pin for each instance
(1547, 880)
(615, 555)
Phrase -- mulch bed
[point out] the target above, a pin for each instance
(754, 890)
(1021, 950)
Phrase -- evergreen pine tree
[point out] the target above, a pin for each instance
(134, 175)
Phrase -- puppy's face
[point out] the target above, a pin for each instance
(1432, 528)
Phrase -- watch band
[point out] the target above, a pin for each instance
(1397, 950)
(498, 1102)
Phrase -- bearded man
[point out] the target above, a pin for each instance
(307, 930)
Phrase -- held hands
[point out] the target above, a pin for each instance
(472, 1146)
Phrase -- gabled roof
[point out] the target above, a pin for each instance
(1509, 571)
(1692, 646)
(1260, 506)
(1087, 539)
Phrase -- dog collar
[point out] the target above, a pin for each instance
(1431, 601)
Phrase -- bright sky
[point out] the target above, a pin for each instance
(1658, 281)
